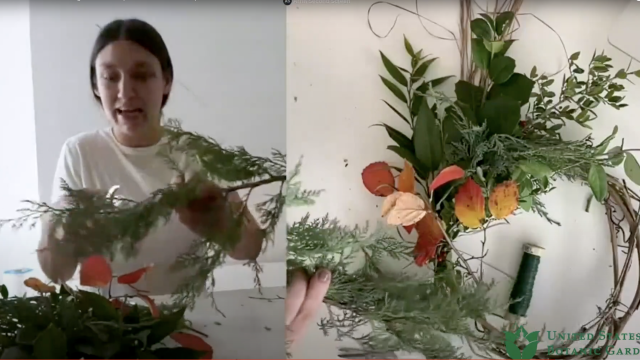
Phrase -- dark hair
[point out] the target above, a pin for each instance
(139, 32)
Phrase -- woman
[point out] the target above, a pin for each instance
(131, 77)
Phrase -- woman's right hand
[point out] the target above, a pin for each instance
(59, 266)
(304, 298)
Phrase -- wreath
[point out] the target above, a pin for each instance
(468, 162)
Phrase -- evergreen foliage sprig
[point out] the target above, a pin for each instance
(106, 224)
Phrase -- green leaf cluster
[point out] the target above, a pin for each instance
(82, 324)
(506, 125)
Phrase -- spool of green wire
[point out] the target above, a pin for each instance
(522, 291)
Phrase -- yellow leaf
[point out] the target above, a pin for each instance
(403, 208)
(504, 199)
(37, 285)
(469, 204)
(406, 179)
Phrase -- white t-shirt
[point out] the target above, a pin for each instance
(96, 160)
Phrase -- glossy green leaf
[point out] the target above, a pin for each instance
(4, 292)
(99, 305)
(493, 47)
(501, 69)
(393, 70)
(602, 147)
(468, 93)
(482, 29)
(526, 203)
(537, 169)
(575, 56)
(597, 180)
(450, 131)
(424, 87)
(420, 168)
(503, 21)
(397, 112)
(408, 47)
(395, 90)
(481, 56)
(506, 47)
(489, 19)
(165, 326)
(518, 87)
(398, 137)
(50, 344)
(616, 155)
(422, 69)
(632, 168)
(501, 115)
(427, 139)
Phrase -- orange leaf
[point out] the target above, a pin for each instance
(406, 179)
(504, 199)
(37, 285)
(95, 271)
(133, 277)
(193, 342)
(469, 204)
(447, 174)
(430, 235)
(378, 179)
(152, 305)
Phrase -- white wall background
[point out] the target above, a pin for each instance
(334, 94)
(228, 59)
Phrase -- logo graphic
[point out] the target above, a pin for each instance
(287, 2)
(521, 335)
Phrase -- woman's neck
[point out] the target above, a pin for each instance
(149, 138)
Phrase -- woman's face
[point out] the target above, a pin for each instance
(130, 84)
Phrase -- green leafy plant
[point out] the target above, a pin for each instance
(79, 324)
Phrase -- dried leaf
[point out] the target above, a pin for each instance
(95, 271)
(469, 204)
(406, 180)
(133, 277)
(430, 235)
(378, 179)
(447, 174)
(504, 199)
(152, 305)
(403, 209)
(193, 342)
(37, 285)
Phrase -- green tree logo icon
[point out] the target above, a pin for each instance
(514, 351)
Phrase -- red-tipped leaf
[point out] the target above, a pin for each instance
(95, 271)
(133, 277)
(152, 305)
(193, 342)
(448, 174)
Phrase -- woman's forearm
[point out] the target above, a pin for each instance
(59, 267)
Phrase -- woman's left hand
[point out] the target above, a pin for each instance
(208, 213)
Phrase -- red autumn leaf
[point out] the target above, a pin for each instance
(447, 174)
(430, 235)
(95, 271)
(152, 305)
(133, 277)
(193, 342)
(469, 204)
(378, 179)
